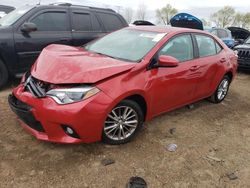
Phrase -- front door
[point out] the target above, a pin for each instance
(52, 28)
(174, 87)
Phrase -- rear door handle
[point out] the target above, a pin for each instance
(223, 60)
(194, 68)
(64, 39)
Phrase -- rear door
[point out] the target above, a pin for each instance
(53, 27)
(209, 63)
(85, 26)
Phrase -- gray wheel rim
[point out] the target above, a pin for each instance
(223, 89)
(121, 123)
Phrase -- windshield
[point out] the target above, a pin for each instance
(247, 41)
(13, 16)
(126, 44)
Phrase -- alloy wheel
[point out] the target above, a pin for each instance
(121, 123)
(223, 89)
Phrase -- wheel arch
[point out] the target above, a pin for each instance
(136, 96)
(230, 75)
(4, 62)
(140, 100)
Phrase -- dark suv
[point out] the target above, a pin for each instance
(27, 30)
(244, 55)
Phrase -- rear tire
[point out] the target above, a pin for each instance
(221, 91)
(4, 75)
(122, 123)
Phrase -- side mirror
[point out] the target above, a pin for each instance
(167, 61)
(28, 27)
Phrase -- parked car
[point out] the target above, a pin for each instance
(142, 22)
(189, 21)
(5, 10)
(27, 30)
(186, 20)
(108, 88)
(244, 55)
(224, 34)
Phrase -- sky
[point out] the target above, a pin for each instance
(199, 8)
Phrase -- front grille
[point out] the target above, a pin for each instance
(23, 111)
(244, 54)
(35, 87)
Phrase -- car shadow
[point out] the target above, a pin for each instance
(242, 71)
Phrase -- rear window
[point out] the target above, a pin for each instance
(206, 45)
(81, 22)
(218, 48)
(222, 33)
(110, 21)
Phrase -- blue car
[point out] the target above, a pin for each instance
(224, 34)
(189, 21)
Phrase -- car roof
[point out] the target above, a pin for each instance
(63, 5)
(167, 29)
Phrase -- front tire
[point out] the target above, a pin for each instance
(122, 123)
(3, 74)
(221, 91)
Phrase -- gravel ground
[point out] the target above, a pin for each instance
(213, 141)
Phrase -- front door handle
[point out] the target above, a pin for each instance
(194, 68)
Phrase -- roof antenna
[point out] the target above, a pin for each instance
(39, 2)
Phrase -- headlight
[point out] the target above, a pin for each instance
(70, 95)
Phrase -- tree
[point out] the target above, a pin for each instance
(246, 20)
(224, 17)
(128, 14)
(238, 19)
(141, 11)
(166, 13)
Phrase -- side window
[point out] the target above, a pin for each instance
(206, 45)
(222, 33)
(218, 47)
(81, 22)
(95, 24)
(180, 47)
(110, 21)
(51, 21)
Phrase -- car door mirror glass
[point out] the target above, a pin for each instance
(28, 27)
(167, 61)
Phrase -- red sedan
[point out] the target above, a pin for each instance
(106, 89)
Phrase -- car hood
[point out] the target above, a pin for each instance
(5, 29)
(243, 46)
(60, 64)
(239, 33)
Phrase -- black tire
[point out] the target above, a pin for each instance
(215, 97)
(4, 75)
(139, 116)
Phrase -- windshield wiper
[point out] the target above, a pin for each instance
(104, 55)
(111, 56)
